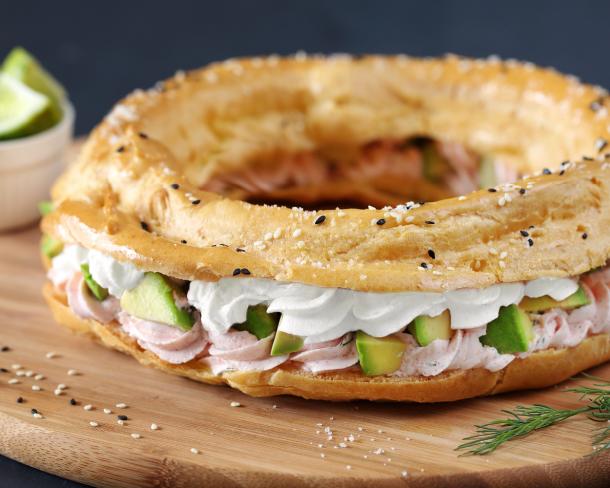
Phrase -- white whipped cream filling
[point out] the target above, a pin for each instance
(114, 275)
(322, 314)
(317, 313)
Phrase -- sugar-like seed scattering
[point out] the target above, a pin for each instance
(88, 407)
(73, 372)
(121, 405)
(93, 424)
(13, 381)
(135, 435)
(194, 450)
(51, 355)
(154, 426)
(107, 411)
(235, 404)
(36, 388)
(39, 377)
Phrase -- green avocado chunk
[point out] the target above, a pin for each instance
(284, 343)
(426, 329)
(94, 287)
(50, 247)
(259, 322)
(487, 173)
(153, 299)
(577, 299)
(379, 355)
(435, 166)
(511, 332)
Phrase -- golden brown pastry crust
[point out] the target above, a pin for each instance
(224, 116)
(543, 368)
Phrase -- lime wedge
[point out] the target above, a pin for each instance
(22, 110)
(22, 66)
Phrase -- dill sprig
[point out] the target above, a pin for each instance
(525, 419)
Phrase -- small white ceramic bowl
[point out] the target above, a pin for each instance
(28, 167)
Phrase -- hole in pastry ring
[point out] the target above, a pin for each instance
(134, 192)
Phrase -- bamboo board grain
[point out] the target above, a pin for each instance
(264, 443)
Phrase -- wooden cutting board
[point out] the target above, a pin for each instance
(274, 442)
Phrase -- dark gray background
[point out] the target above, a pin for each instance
(102, 50)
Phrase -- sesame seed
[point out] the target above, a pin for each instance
(546, 171)
(107, 411)
(404, 474)
(584, 235)
(144, 226)
(120, 422)
(524, 233)
(13, 381)
(154, 426)
(235, 404)
(320, 220)
(37, 415)
(239, 249)
(600, 144)
(120, 149)
(430, 222)
(57, 392)
(39, 377)
(3, 370)
(196, 202)
(194, 450)
(29, 374)
(380, 222)
(143, 135)
(61, 386)
(530, 242)
(122, 417)
(522, 191)
(34, 411)
(72, 372)
(424, 265)
(88, 407)
(36, 388)
(93, 424)
(16, 366)
(348, 467)
(236, 271)
(136, 436)
(51, 355)
(121, 405)
(245, 271)
(183, 241)
(73, 402)
(19, 399)
(175, 186)
(5, 349)
(431, 253)
(492, 190)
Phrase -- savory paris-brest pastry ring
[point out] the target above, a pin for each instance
(182, 236)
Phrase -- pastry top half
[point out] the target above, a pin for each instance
(140, 189)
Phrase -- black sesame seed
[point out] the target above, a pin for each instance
(587, 158)
(431, 253)
(430, 222)
(5, 349)
(122, 417)
(144, 226)
(584, 235)
(73, 401)
(183, 241)
(562, 172)
(524, 233)
(320, 220)
(34, 411)
(19, 399)
(531, 227)
(120, 149)
(546, 171)
(492, 190)
(424, 265)
(380, 222)
(143, 135)
(196, 202)
(223, 245)
(245, 271)
(175, 186)
(601, 143)
(3, 370)
(522, 191)
(530, 242)
(236, 271)
(239, 249)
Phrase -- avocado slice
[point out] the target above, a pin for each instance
(379, 355)
(50, 247)
(435, 166)
(95, 288)
(284, 343)
(153, 299)
(487, 173)
(511, 332)
(259, 322)
(426, 329)
(577, 299)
